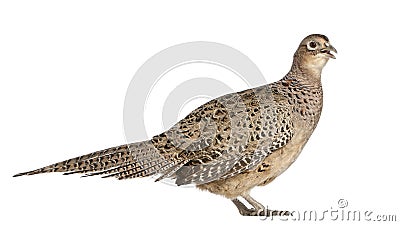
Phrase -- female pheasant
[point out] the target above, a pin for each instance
(230, 144)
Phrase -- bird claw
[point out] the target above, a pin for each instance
(247, 212)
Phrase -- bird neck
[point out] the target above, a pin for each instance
(306, 72)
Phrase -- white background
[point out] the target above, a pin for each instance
(65, 67)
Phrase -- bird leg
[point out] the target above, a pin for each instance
(243, 210)
(258, 209)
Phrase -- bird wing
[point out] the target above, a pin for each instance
(228, 135)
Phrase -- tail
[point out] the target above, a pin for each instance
(139, 159)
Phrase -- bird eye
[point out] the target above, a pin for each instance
(312, 45)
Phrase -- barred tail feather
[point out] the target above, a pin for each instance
(130, 157)
(139, 165)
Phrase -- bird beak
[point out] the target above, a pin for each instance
(327, 51)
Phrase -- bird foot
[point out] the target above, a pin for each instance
(259, 209)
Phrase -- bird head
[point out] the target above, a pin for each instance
(313, 53)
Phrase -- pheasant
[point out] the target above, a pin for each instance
(230, 144)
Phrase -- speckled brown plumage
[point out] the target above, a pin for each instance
(230, 144)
